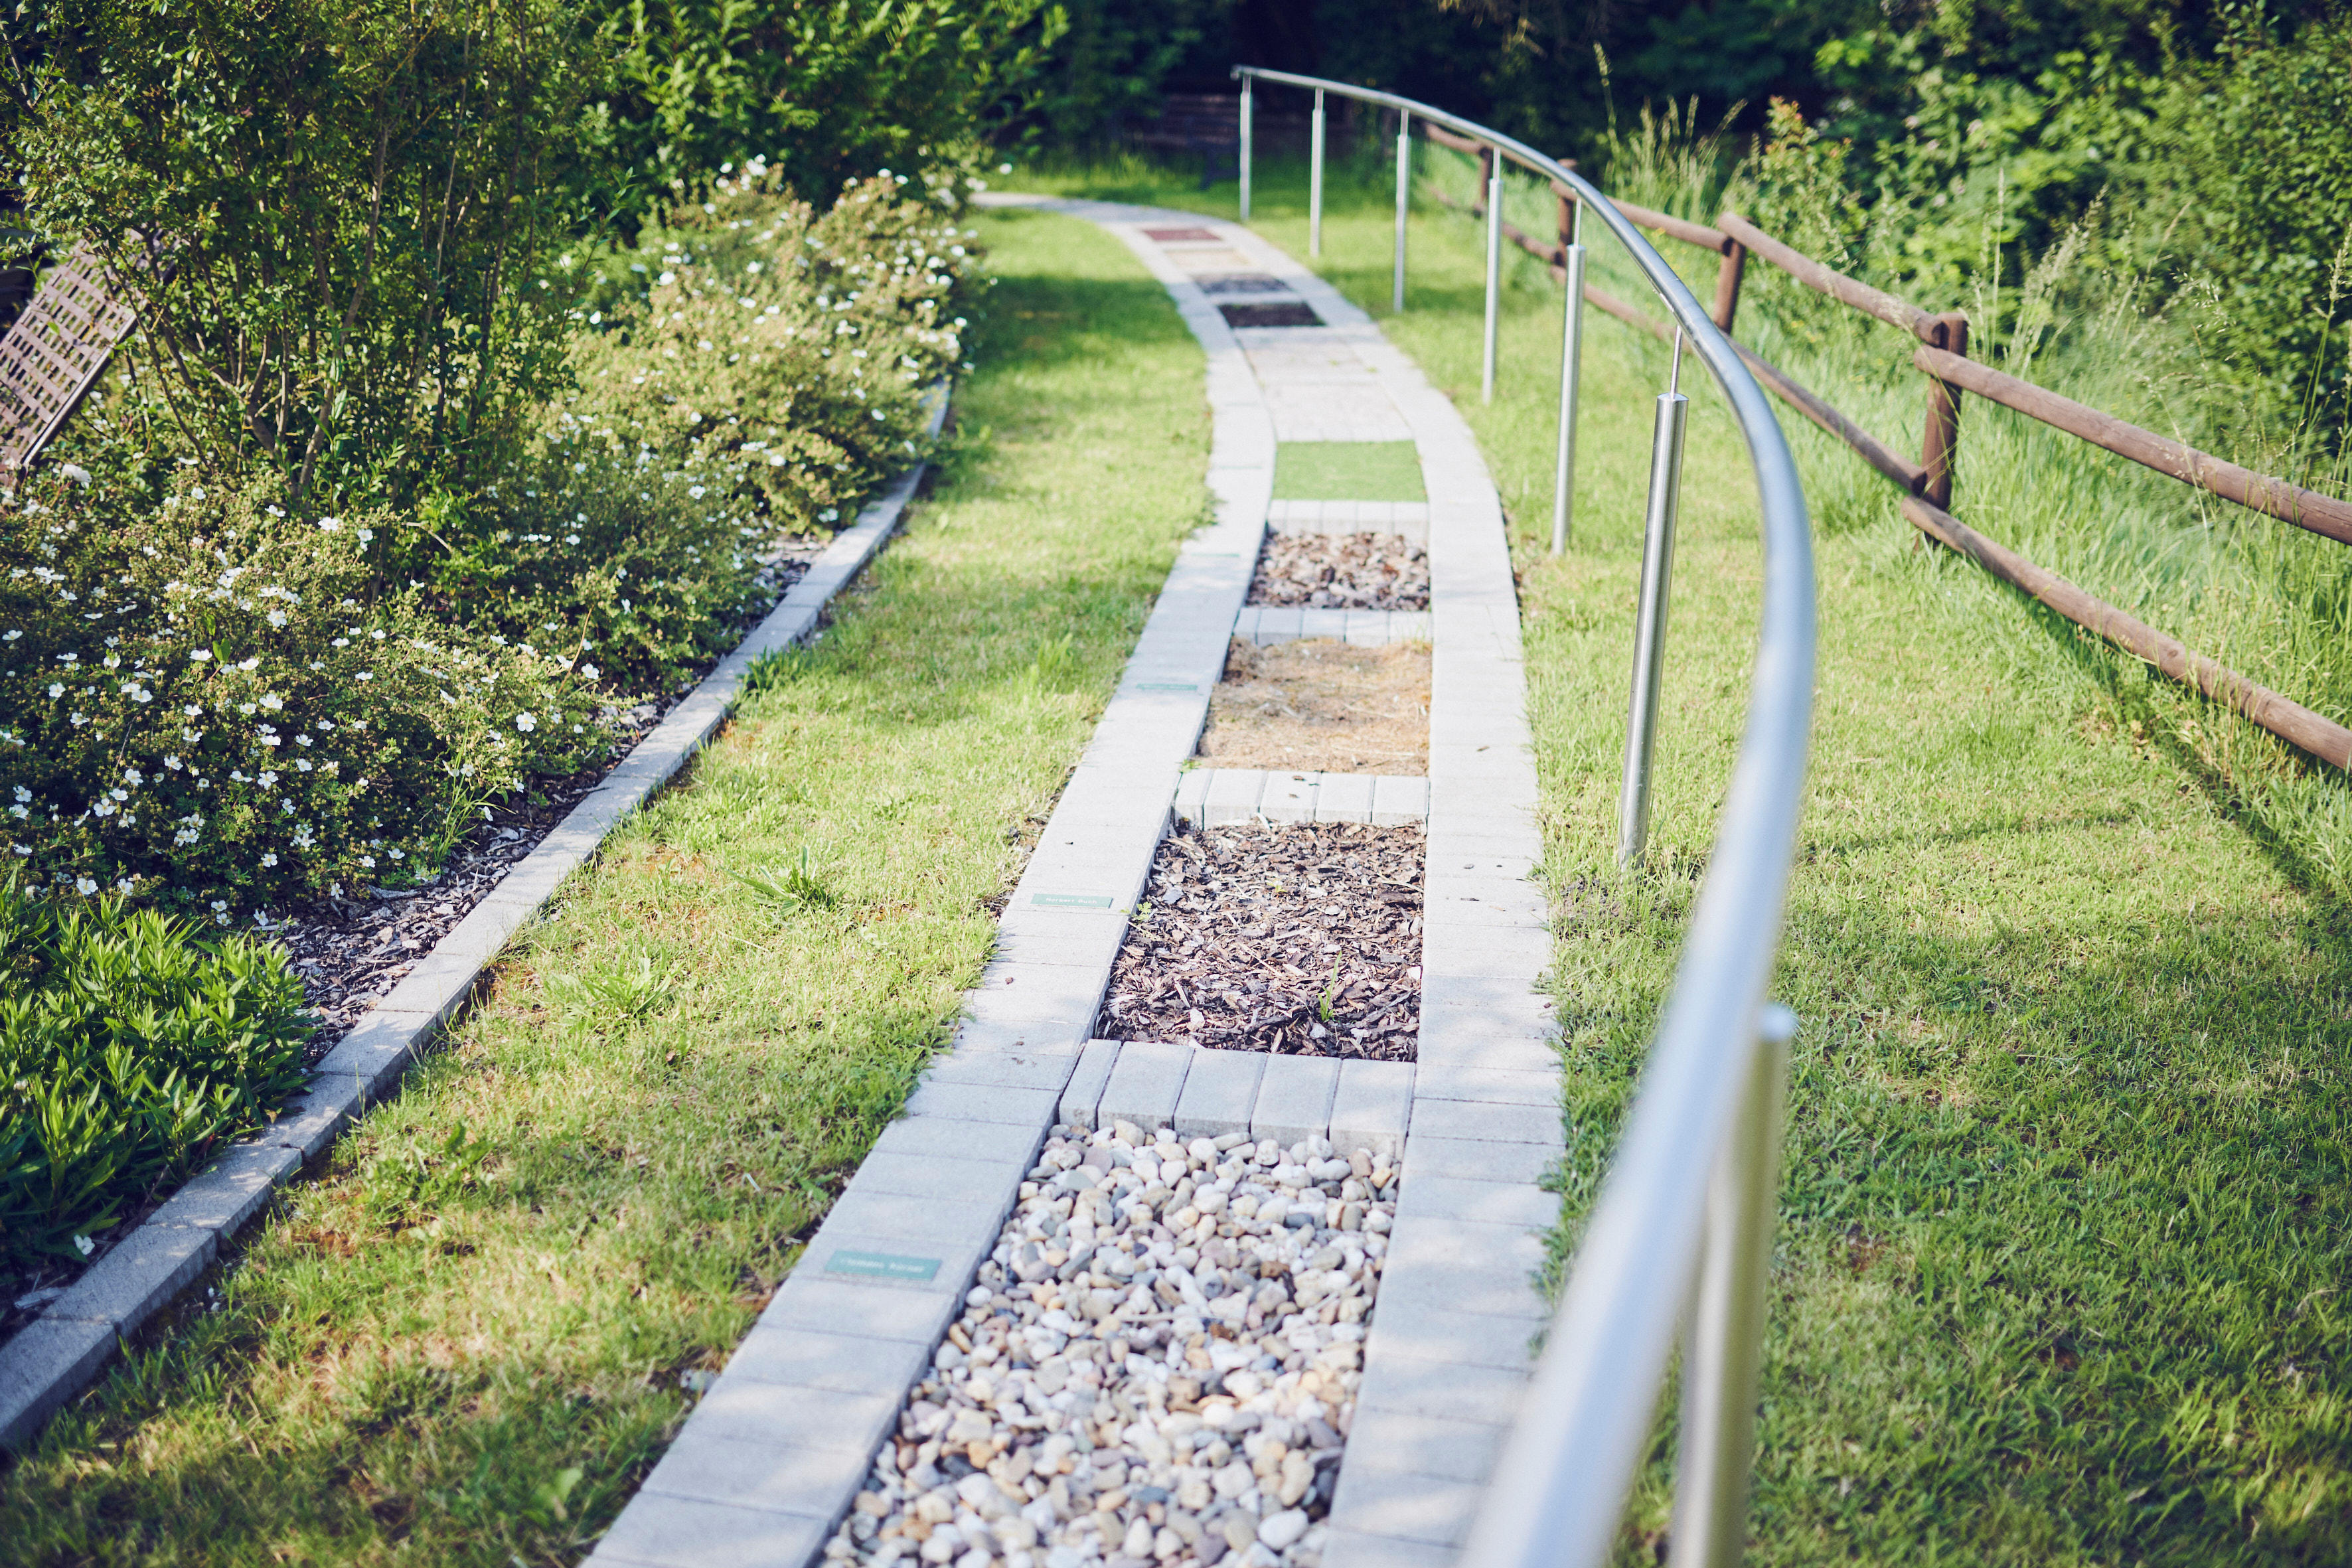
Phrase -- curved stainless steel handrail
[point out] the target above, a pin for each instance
(1558, 1495)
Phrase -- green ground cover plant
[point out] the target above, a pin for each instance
(2063, 1219)
(1347, 471)
(131, 1049)
(470, 1339)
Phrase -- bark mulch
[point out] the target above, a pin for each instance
(1342, 571)
(1249, 936)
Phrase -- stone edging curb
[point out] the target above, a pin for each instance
(61, 1353)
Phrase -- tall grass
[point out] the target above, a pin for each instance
(2265, 598)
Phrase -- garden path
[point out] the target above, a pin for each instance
(772, 1458)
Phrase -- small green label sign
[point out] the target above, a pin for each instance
(883, 1265)
(1073, 901)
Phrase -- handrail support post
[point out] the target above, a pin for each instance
(1403, 199)
(1245, 148)
(1494, 162)
(1314, 181)
(1722, 1361)
(1650, 618)
(1571, 359)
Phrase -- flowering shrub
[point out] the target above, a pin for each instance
(129, 1050)
(213, 701)
(780, 356)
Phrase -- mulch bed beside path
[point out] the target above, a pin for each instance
(1342, 571)
(1247, 931)
(352, 956)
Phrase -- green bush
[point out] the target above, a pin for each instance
(129, 1052)
(338, 215)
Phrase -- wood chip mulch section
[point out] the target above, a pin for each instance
(1342, 571)
(1249, 935)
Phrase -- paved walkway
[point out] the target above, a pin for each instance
(769, 1460)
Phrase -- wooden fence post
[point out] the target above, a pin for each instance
(1727, 273)
(1566, 221)
(1940, 447)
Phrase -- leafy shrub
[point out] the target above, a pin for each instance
(336, 214)
(129, 1052)
(211, 700)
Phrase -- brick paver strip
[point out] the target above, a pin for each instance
(60, 1352)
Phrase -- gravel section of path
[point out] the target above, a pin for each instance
(1301, 940)
(1342, 571)
(350, 954)
(1158, 1366)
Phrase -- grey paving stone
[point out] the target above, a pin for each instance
(834, 1306)
(1425, 1196)
(378, 1048)
(1398, 800)
(1233, 794)
(1355, 1549)
(714, 1467)
(1411, 1444)
(1433, 1331)
(1521, 951)
(1414, 1508)
(1345, 798)
(1192, 795)
(936, 1137)
(1145, 1084)
(843, 1363)
(1289, 797)
(1003, 1069)
(1084, 1092)
(312, 1118)
(1451, 1040)
(1329, 624)
(657, 1531)
(944, 1214)
(1488, 1119)
(1219, 1089)
(824, 1419)
(142, 1272)
(438, 986)
(1370, 1107)
(1294, 1098)
(1023, 1037)
(1279, 624)
(984, 1103)
(1507, 1003)
(1453, 1391)
(981, 1180)
(1493, 1087)
(1479, 1159)
(42, 1365)
(229, 1190)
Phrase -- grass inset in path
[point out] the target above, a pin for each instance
(1347, 471)
(469, 1340)
(2067, 1217)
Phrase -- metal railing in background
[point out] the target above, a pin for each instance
(1683, 1229)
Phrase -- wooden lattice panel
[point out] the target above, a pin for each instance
(52, 354)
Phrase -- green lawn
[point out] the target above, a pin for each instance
(466, 1344)
(2067, 1223)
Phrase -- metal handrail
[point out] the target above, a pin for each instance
(1682, 1232)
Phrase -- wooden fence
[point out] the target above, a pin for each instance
(1942, 358)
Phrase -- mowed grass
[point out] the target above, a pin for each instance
(2066, 1227)
(469, 1341)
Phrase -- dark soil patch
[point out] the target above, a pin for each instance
(1285, 313)
(1250, 935)
(1342, 571)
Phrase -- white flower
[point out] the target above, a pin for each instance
(85, 887)
(329, 524)
(19, 812)
(269, 859)
(200, 653)
(79, 475)
(172, 763)
(276, 617)
(590, 671)
(56, 690)
(365, 535)
(368, 862)
(23, 793)
(525, 721)
(269, 780)
(84, 1245)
